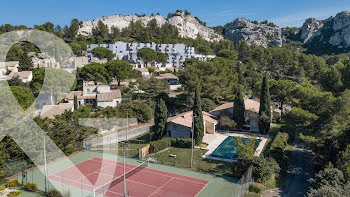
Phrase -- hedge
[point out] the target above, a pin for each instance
(277, 148)
(166, 142)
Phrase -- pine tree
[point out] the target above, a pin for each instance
(239, 110)
(160, 120)
(265, 108)
(75, 102)
(198, 127)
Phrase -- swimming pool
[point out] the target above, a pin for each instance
(226, 149)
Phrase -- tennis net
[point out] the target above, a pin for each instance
(103, 188)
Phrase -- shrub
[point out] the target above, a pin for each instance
(277, 148)
(54, 193)
(264, 168)
(2, 188)
(164, 143)
(15, 193)
(159, 145)
(240, 167)
(181, 142)
(30, 187)
(12, 183)
(255, 188)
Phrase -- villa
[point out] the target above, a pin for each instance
(24, 76)
(176, 53)
(98, 95)
(181, 124)
(6, 67)
(251, 108)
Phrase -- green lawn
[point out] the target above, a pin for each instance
(133, 148)
(183, 157)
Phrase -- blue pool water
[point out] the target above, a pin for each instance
(226, 149)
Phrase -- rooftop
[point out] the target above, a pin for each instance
(50, 111)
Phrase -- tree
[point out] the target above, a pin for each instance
(147, 55)
(160, 120)
(102, 52)
(229, 54)
(95, 72)
(101, 30)
(328, 182)
(23, 95)
(75, 102)
(198, 124)
(265, 107)
(25, 63)
(344, 162)
(281, 91)
(205, 50)
(239, 109)
(120, 70)
(264, 168)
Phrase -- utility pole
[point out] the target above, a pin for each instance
(45, 167)
(192, 133)
(125, 146)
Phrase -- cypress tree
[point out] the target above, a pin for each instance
(160, 120)
(239, 110)
(75, 102)
(265, 107)
(198, 125)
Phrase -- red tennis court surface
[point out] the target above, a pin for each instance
(143, 182)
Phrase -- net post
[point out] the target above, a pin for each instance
(94, 190)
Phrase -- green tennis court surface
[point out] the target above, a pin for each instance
(217, 184)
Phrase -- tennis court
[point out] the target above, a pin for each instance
(140, 180)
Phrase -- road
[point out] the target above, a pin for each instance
(117, 137)
(301, 169)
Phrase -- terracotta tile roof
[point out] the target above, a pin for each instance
(250, 105)
(185, 118)
(142, 69)
(9, 64)
(70, 95)
(50, 111)
(167, 76)
(114, 94)
(20, 75)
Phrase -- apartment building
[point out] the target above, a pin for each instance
(176, 53)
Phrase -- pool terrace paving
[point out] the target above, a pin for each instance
(214, 140)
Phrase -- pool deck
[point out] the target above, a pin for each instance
(214, 140)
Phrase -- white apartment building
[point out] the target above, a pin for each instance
(176, 53)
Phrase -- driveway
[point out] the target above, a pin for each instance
(301, 169)
(118, 136)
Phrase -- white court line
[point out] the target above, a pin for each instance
(147, 170)
(161, 186)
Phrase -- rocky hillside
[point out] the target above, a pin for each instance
(253, 33)
(328, 36)
(188, 26)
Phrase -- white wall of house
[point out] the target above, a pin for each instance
(113, 103)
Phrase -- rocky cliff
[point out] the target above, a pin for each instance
(331, 35)
(259, 34)
(188, 26)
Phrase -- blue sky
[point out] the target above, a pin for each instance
(214, 12)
